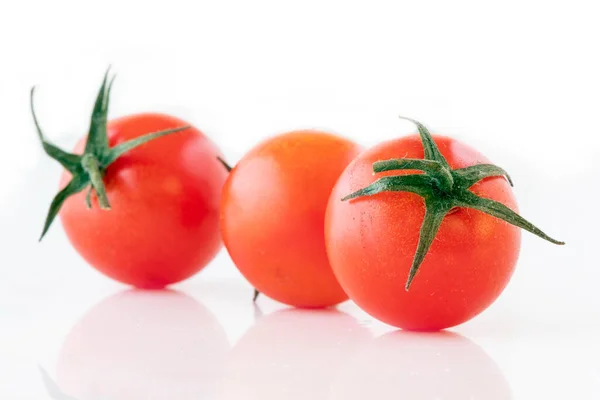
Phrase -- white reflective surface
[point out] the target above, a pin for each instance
(207, 341)
(421, 366)
(142, 345)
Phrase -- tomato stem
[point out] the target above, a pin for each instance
(88, 198)
(227, 166)
(91, 166)
(442, 189)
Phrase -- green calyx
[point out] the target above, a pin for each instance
(87, 169)
(442, 189)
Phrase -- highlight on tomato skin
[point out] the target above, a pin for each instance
(272, 216)
(423, 232)
(139, 196)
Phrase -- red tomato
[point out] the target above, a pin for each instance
(273, 211)
(163, 226)
(371, 242)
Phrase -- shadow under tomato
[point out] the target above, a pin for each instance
(415, 366)
(291, 354)
(143, 345)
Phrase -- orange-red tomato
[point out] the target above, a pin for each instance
(163, 226)
(272, 216)
(371, 244)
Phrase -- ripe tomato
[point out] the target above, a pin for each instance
(371, 239)
(163, 194)
(163, 226)
(273, 211)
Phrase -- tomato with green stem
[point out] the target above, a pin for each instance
(273, 212)
(422, 232)
(139, 196)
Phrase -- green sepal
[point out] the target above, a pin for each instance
(129, 145)
(435, 212)
(433, 168)
(71, 162)
(418, 184)
(77, 184)
(467, 177)
(97, 140)
(442, 189)
(88, 169)
(395, 164)
(430, 148)
(468, 199)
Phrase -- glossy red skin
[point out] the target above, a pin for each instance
(164, 223)
(273, 212)
(371, 242)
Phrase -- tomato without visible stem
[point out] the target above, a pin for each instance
(371, 243)
(163, 225)
(273, 211)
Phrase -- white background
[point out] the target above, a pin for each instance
(519, 80)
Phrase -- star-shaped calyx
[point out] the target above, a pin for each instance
(442, 189)
(87, 169)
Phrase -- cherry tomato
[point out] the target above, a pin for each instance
(379, 237)
(138, 205)
(163, 225)
(273, 211)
